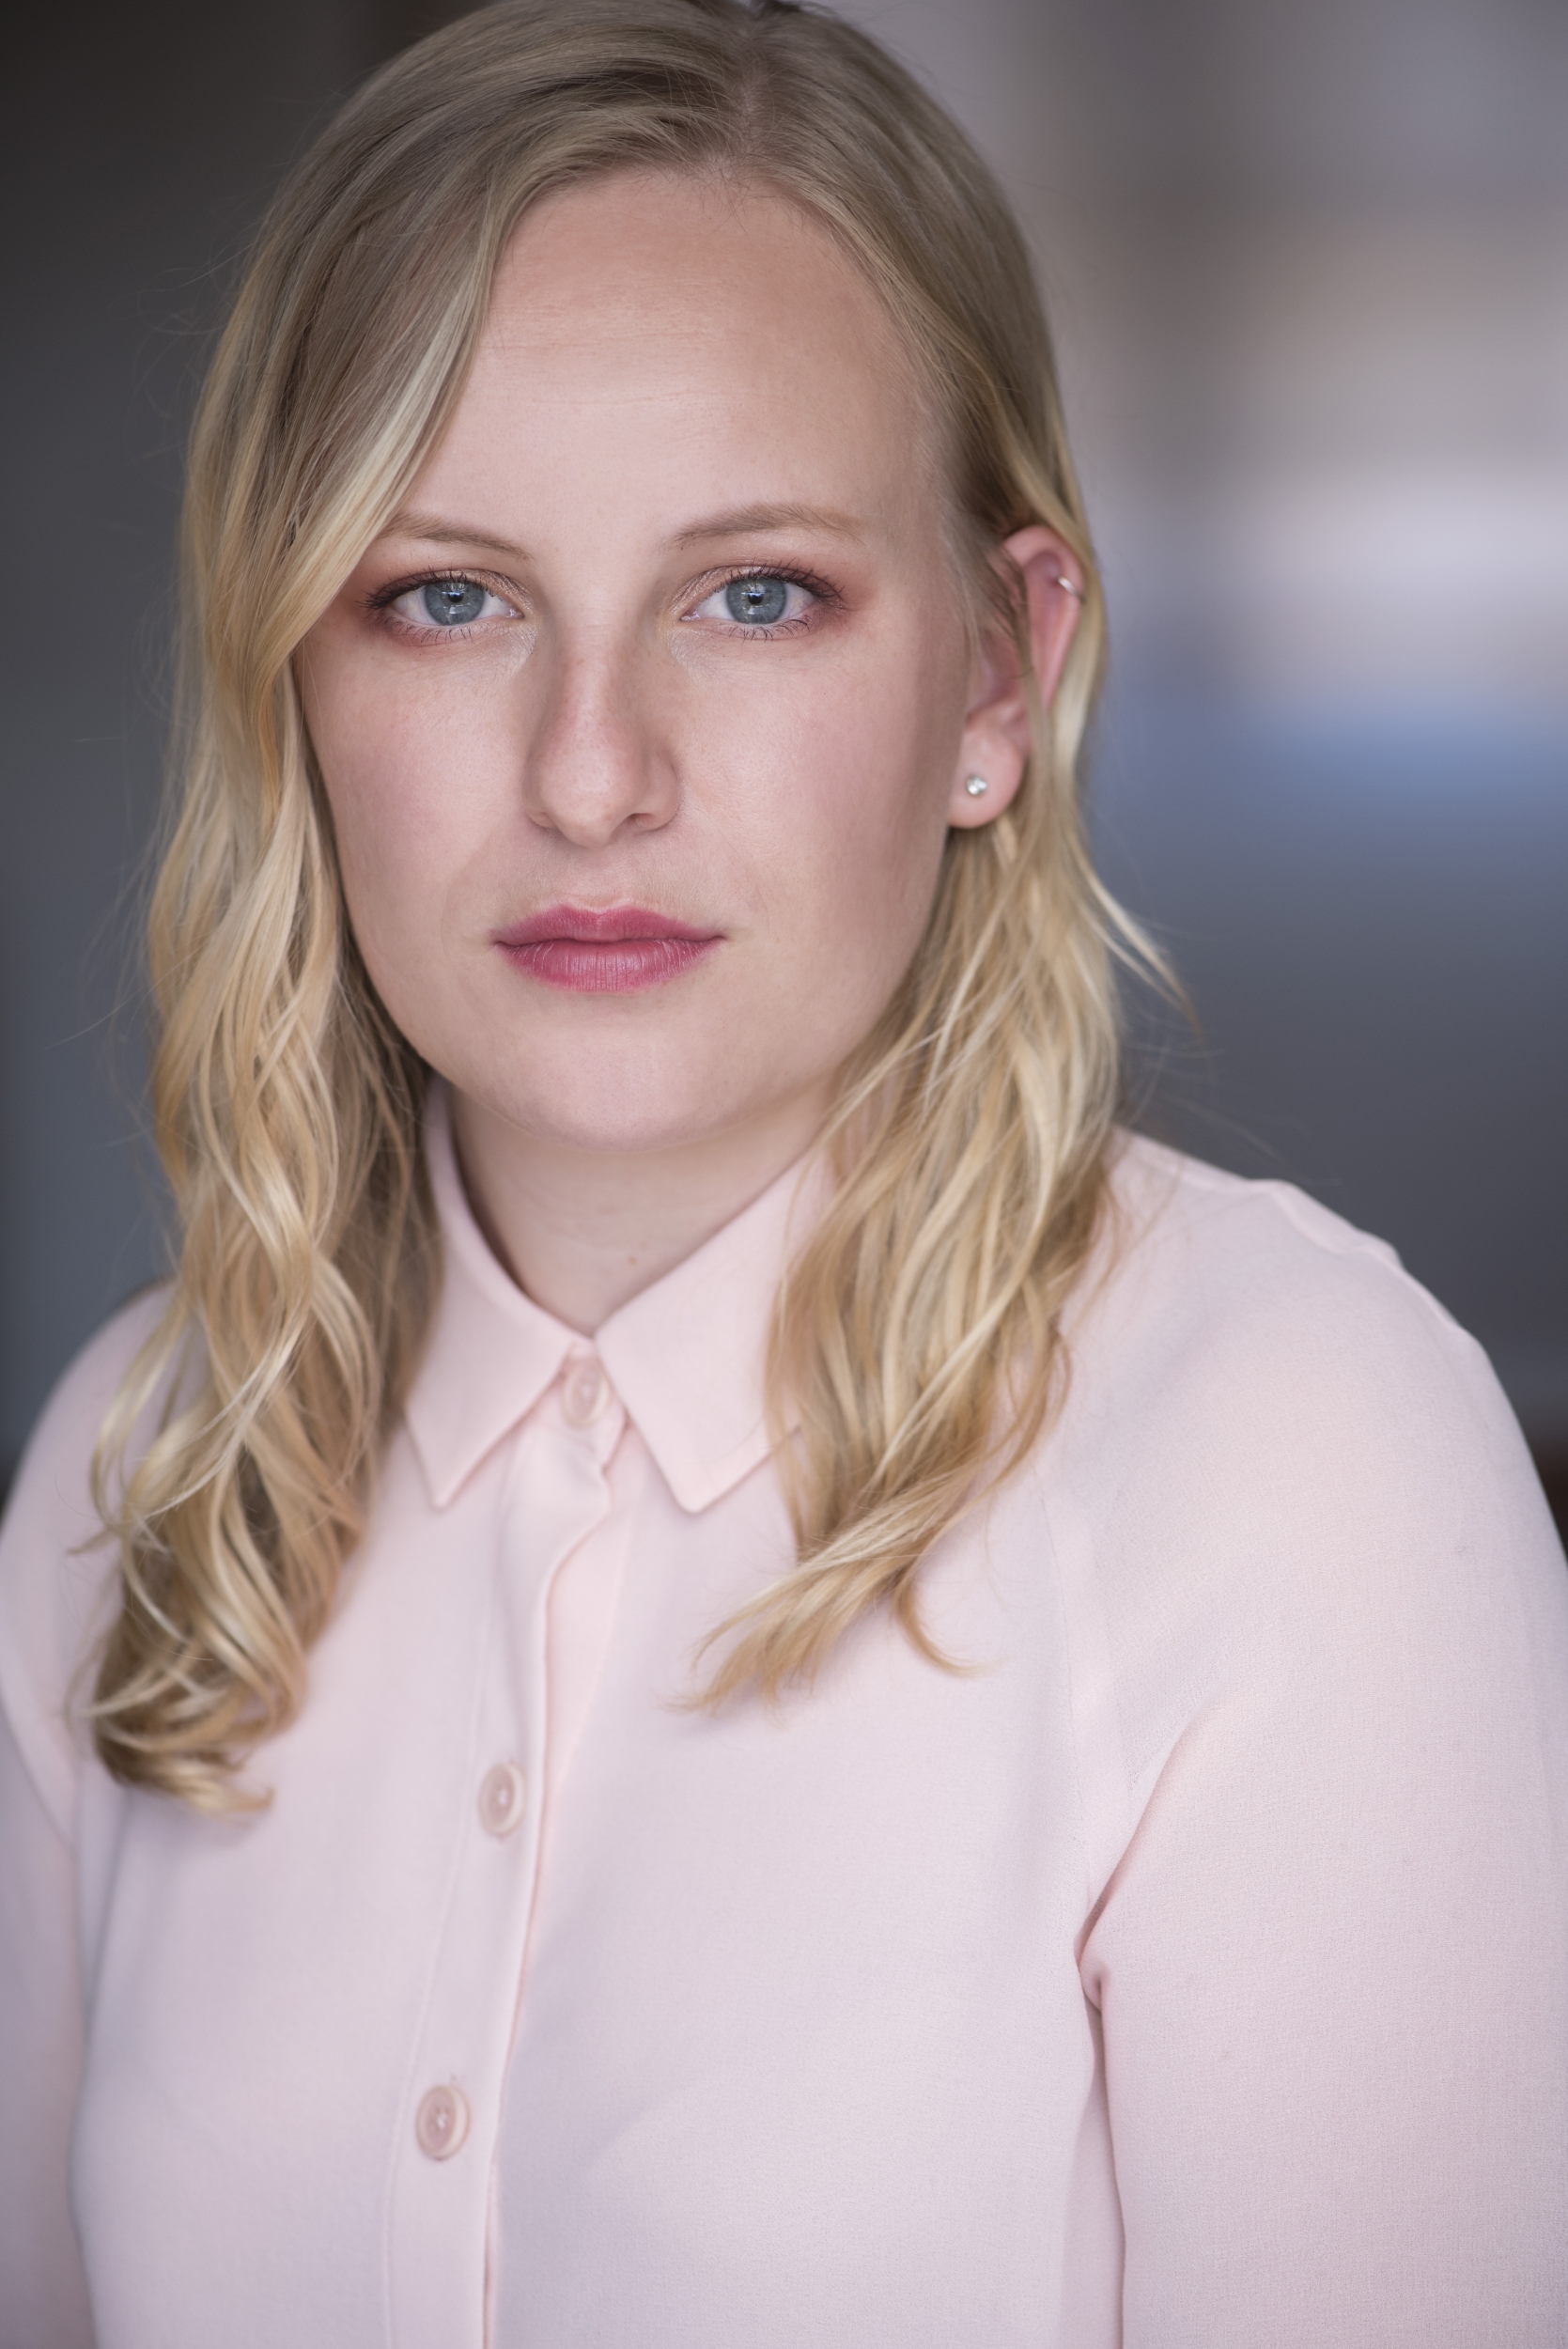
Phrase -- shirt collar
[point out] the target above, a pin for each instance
(686, 1356)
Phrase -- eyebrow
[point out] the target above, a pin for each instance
(745, 519)
(437, 528)
(741, 521)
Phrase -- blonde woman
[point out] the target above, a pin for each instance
(718, 1671)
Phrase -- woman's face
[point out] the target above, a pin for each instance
(643, 721)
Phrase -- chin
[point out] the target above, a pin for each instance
(610, 1103)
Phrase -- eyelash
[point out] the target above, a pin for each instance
(827, 597)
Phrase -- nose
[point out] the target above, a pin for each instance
(599, 763)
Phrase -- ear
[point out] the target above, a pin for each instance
(995, 747)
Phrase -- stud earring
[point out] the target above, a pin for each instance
(976, 786)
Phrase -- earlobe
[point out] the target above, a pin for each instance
(980, 794)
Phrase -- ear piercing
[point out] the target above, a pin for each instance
(1068, 587)
(976, 786)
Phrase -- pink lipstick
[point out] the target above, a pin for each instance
(611, 950)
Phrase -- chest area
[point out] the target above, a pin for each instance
(538, 1987)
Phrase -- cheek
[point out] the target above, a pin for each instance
(860, 816)
(398, 776)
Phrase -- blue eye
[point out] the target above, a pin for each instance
(757, 602)
(451, 602)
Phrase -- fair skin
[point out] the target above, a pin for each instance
(534, 704)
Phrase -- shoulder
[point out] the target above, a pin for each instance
(1280, 1461)
(56, 1562)
(1213, 1287)
(1242, 1237)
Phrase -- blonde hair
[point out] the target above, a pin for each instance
(916, 1334)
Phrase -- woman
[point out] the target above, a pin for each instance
(750, 1681)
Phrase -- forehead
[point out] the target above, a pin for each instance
(666, 323)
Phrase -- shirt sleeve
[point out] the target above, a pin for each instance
(1332, 1960)
(52, 1580)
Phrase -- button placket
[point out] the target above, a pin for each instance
(552, 1495)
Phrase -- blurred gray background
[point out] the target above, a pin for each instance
(1308, 266)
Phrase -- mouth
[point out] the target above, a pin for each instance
(613, 950)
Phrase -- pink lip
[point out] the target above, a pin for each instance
(610, 950)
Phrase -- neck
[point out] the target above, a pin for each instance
(582, 1231)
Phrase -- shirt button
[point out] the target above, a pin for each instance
(586, 1392)
(441, 2123)
(502, 1798)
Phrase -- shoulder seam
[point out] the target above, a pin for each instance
(1345, 1240)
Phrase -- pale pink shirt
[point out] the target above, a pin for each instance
(1193, 1974)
